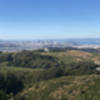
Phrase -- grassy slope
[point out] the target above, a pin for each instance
(69, 87)
(65, 88)
(28, 76)
(75, 56)
(84, 87)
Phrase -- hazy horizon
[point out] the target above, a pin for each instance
(50, 39)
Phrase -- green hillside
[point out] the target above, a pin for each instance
(34, 75)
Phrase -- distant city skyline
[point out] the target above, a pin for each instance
(49, 19)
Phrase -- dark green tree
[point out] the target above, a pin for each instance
(3, 96)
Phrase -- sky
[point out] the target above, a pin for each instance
(49, 19)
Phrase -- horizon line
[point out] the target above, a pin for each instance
(49, 39)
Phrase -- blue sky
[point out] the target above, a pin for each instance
(49, 19)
